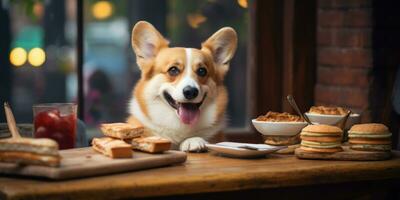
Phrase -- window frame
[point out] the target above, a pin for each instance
(79, 58)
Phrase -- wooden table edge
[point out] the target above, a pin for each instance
(221, 183)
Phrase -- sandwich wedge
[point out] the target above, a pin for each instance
(41, 151)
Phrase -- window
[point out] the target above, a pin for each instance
(110, 69)
(109, 66)
(42, 54)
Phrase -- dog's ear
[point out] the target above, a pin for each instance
(146, 42)
(222, 46)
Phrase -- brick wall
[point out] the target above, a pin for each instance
(344, 54)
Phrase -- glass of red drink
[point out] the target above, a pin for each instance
(56, 121)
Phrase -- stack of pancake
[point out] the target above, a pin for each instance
(370, 137)
(321, 139)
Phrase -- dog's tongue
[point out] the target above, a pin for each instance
(188, 113)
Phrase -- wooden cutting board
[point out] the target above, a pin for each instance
(346, 154)
(83, 162)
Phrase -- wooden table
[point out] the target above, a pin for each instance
(205, 175)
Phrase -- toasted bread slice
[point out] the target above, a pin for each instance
(122, 130)
(41, 151)
(111, 147)
(318, 150)
(38, 145)
(29, 158)
(370, 141)
(371, 147)
(152, 144)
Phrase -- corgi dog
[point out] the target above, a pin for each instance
(180, 95)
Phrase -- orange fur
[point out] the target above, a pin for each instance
(222, 102)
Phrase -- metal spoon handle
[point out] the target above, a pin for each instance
(292, 102)
(342, 122)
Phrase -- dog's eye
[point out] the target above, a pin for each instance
(201, 71)
(173, 71)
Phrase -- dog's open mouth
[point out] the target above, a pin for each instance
(188, 112)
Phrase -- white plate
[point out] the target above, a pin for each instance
(229, 149)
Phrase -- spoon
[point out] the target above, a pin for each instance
(341, 124)
(292, 102)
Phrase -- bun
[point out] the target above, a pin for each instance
(372, 128)
(320, 150)
(371, 147)
(322, 129)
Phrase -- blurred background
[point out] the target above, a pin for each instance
(324, 52)
(41, 36)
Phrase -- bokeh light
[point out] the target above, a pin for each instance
(243, 3)
(36, 57)
(38, 9)
(102, 10)
(195, 20)
(18, 56)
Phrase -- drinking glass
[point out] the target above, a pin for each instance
(56, 121)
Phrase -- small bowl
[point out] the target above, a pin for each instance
(333, 119)
(324, 119)
(279, 128)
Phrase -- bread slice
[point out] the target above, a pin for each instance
(111, 147)
(152, 144)
(43, 146)
(371, 128)
(29, 158)
(41, 151)
(321, 130)
(122, 130)
(318, 150)
(371, 147)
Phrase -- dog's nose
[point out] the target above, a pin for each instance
(190, 92)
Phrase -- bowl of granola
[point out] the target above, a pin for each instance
(331, 115)
(279, 124)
